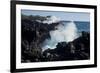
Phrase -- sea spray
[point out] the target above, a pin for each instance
(62, 33)
(51, 19)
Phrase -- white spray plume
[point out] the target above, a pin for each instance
(64, 33)
(51, 19)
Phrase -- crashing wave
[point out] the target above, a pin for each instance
(51, 19)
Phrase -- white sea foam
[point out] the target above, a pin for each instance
(63, 33)
(51, 19)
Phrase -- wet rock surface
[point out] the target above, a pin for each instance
(34, 33)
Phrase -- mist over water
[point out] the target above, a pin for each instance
(62, 33)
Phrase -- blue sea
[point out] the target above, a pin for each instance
(81, 25)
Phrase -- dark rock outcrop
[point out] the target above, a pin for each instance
(79, 49)
(33, 33)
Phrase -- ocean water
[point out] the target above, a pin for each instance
(81, 26)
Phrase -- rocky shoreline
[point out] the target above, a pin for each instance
(34, 33)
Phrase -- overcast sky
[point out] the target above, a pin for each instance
(70, 16)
